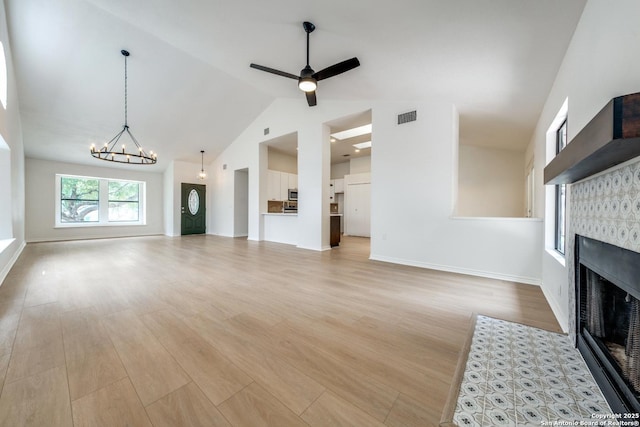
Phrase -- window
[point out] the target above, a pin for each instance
(6, 201)
(79, 200)
(86, 201)
(124, 201)
(561, 194)
(3, 77)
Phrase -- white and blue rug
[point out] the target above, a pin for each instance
(517, 375)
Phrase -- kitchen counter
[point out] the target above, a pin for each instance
(281, 213)
(281, 227)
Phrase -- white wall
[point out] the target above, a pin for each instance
(282, 117)
(11, 131)
(360, 165)
(279, 161)
(241, 204)
(598, 66)
(41, 201)
(423, 232)
(423, 183)
(490, 182)
(339, 170)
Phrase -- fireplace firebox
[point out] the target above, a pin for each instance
(608, 319)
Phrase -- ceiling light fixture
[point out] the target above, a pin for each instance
(362, 145)
(202, 174)
(110, 152)
(351, 133)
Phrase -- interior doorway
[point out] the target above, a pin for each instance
(350, 180)
(193, 211)
(241, 203)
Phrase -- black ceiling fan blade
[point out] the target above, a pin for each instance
(311, 98)
(274, 71)
(336, 69)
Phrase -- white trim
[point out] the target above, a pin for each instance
(561, 317)
(69, 239)
(12, 261)
(103, 204)
(479, 273)
(495, 218)
(557, 256)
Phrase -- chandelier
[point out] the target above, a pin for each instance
(111, 152)
(202, 174)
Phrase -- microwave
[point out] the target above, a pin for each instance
(293, 194)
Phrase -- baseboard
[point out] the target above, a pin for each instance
(7, 268)
(560, 315)
(451, 269)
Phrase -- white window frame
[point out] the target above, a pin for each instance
(103, 204)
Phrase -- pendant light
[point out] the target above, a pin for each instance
(111, 152)
(202, 175)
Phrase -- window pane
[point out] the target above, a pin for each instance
(561, 137)
(78, 188)
(560, 217)
(120, 191)
(79, 211)
(123, 211)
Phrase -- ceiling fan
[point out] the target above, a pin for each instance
(308, 78)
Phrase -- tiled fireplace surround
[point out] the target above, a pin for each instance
(604, 207)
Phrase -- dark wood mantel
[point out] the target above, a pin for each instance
(610, 138)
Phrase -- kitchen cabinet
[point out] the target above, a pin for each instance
(273, 185)
(279, 183)
(293, 180)
(338, 185)
(357, 221)
(334, 229)
(284, 186)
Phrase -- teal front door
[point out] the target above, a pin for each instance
(194, 219)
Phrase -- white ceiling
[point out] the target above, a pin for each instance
(191, 88)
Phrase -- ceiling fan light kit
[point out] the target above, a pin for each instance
(308, 78)
(110, 152)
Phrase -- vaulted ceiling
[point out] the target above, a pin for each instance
(191, 88)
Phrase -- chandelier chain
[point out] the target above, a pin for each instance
(125, 91)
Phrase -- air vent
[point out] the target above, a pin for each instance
(411, 116)
(266, 131)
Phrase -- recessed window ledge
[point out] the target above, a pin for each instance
(557, 256)
(94, 224)
(4, 244)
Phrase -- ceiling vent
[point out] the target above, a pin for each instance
(266, 131)
(411, 116)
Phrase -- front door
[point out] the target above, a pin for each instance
(193, 209)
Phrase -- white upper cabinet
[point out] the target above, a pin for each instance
(293, 180)
(279, 183)
(338, 185)
(273, 185)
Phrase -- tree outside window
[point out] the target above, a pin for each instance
(79, 200)
(124, 201)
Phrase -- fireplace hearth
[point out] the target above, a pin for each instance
(608, 319)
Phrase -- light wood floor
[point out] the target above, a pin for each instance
(205, 330)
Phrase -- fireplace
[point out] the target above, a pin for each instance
(608, 319)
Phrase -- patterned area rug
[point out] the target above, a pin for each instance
(517, 375)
